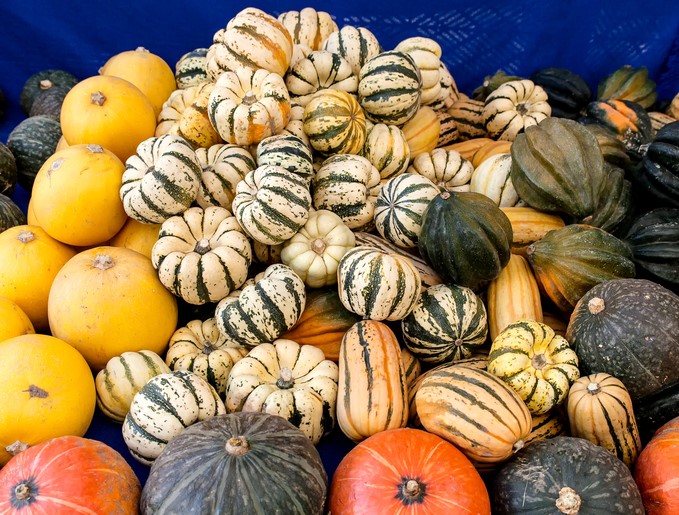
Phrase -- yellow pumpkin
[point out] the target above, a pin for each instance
(29, 260)
(47, 390)
(31, 219)
(110, 112)
(90, 177)
(422, 131)
(62, 143)
(149, 72)
(14, 322)
(137, 236)
(109, 300)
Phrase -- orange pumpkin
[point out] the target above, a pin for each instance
(47, 390)
(656, 471)
(109, 300)
(110, 112)
(14, 321)
(407, 471)
(69, 475)
(137, 236)
(29, 260)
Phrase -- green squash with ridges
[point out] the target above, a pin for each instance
(190, 69)
(32, 142)
(568, 93)
(11, 215)
(628, 83)
(8, 170)
(289, 152)
(42, 81)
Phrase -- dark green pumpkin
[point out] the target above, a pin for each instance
(48, 102)
(565, 475)
(32, 142)
(655, 410)
(8, 170)
(568, 93)
(42, 81)
(569, 261)
(466, 238)
(491, 83)
(240, 463)
(628, 83)
(10, 214)
(628, 328)
(612, 149)
(654, 239)
(557, 165)
(615, 203)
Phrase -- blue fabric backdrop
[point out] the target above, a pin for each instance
(478, 37)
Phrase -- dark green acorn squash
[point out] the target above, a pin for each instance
(42, 81)
(565, 475)
(491, 83)
(612, 149)
(568, 93)
(628, 328)
(654, 240)
(466, 238)
(615, 207)
(240, 463)
(10, 214)
(8, 170)
(557, 165)
(628, 83)
(569, 261)
(48, 102)
(32, 142)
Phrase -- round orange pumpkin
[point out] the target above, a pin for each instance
(137, 236)
(108, 111)
(67, 475)
(90, 177)
(109, 300)
(13, 320)
(47, 390)
(29, 260)
(407, 471)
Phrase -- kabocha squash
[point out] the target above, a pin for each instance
(255, 449)
(568, 262)
(167, 404)
(136, 236)
(474, 410)
(122, 378)
(387, 149)
(567, 92)
(99, 480)
(628, 83)
(377, 285)
(248, 105)
(108, 111)
(600, 410)
(190, 68)
(8, 170)
(513, 107)
(658, 174)
(14, 321)
(287, 151)
(371, 395)
(308, 26)
(468, 116)
(11, 214)
(49, 102)
(573, 466)
(405, 471)
(320, 70)
(635, 321)
(223, 167)
(315, 251)
(252, 38)
(292, 381)
(399, 208)
(47, 391)
(477, 236)
(447, 169)
(90, 177)
(493, 179)
(356, 44)
(32, 142)
(447, 324)
(426, 54)
(200, 348)
(30, 259)
(422, 131)
(537, 363)
(530, 225)
(43, 81)
(263, 310)
(557, 166)
(109, 300)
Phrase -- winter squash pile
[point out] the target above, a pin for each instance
(298, 232)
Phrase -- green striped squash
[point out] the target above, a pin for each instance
(190, 68)
(356, 44)
(261, 462)
(348, 185)
(165, 406)
(334, 123)
(390, 88)
(161, 180)
(320, 70)
(387, 149)
(11, 215)
(377, 285)
(264, 309)
(308, 26)
(475, 411)
(272, 204)
(372, 392)
(426, 54)
(447, 324)
(468, 116)
(493, 179)
(122, 378)
(223, 167)
(295, 126)
(448, 94)
(173, 108)
(399, 208)
(447, 169)
(547, 425)
(292, 381)
(289, 152)
(448, 132)
(412, 368)
(200, 348)
(202, 255)
(513, 107)
(32, 142)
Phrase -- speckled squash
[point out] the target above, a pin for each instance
(308, 26)
(190, 68)
(41, 81)
(319, 70)
(387, 149)
(223, 166)
(468, 116)
(513, 107)
(11, 214)
(287, 151)
(447, 169)
(492, 178)
(426, 54)
(356, 44)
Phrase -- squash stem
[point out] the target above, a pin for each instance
(102, 262)
(202, 247)
(237, 446)
(318, 246)
(26, 236)
(45, 84)
(412, 488)
(285, 381)
(569, 501)
(596, 305)
(249, 98)
(22, 492)
(98, 98)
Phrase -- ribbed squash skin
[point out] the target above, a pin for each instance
(289, 152)
(43, 81)
(190, 69)
(335, 123)
(628, 83)
(477, 233)
(547, 425)
(274, 449)
(32, 142)
(612, 149)
(638, 322)
(567, 92)
(573, 466)
(658, 173)
(600, 410)
(308, 26)
(468, 116)
(8, 170)
(615, 206)
(569, 261)
(356, 44)
(11, 215)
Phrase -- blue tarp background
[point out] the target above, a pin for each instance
(478, 37)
